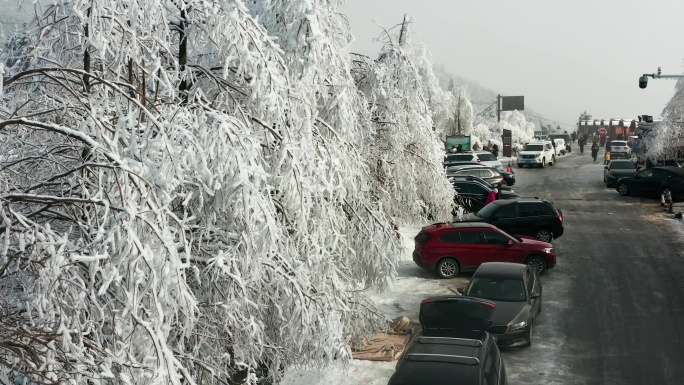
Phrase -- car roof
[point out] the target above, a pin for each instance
(435, 370)
(503, 202)
(500, 270)
(539, 142)
(435, 227)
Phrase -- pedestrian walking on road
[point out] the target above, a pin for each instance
(495, 150)
(594, 150)
(580, 141)
(606, 157)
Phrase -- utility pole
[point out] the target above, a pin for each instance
(498, 108)
(643, 80)
(459, 112)
(402, 34)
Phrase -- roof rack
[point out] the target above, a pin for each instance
(423, 357)
(450, 341)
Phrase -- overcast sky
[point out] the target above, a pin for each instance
(564, 56)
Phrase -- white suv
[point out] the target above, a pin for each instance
(537, 154)
(620, 146)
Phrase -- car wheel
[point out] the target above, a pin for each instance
(666, 190)
(536, 262)
(623, 189)
(543, 163)
(544, 235)
(521, 165)
(447, 268)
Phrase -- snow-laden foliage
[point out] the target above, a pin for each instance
(667, 138)
(462, 119)
(406, 153)
(194, 191)
(522, 131)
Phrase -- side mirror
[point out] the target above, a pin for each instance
(509, 243)
(605, 167)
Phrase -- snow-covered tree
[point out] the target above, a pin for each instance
(183, 201)
(669, 135)
(406, 152)
(186, 200)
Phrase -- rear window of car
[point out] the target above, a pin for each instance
(622, 166)
(534, 147)
(618, 144)
(422, 237)
(471, 237)
(460, 157)
(535, 210)
(486, 157)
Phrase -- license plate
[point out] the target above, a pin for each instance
(528, 161)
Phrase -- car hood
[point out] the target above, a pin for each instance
(534, 241)
(621, 173)
(507, 313)
(530, 152)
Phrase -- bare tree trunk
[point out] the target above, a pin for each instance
(86, 54)
(183, 52)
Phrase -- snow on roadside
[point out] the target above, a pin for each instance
(402, 298)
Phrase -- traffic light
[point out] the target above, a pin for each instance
(643, 81)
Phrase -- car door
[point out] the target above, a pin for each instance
(500, 247)
(505, 217)
(639, 184)
(526, 222)
(658, 180)
(533, 287)
(473, 248)
(479, 191)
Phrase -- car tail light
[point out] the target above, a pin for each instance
(560, 217)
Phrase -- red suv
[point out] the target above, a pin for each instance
(450, 248)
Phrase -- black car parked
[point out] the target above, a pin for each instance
(517, 292)
(617, 169)
(654, 182)
(522, 216)
(453, 346)
(472, 194)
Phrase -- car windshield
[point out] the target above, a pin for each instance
(486, 157)
(622, 166)
(534, 147)
(616, 144)
(487, 211)
(497, 289)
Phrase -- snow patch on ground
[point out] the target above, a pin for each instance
(355, 373)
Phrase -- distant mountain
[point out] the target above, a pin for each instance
(482, 97)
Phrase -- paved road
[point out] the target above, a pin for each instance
(614, 305)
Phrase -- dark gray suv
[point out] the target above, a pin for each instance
(522, 216)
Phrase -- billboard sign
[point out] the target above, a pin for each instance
(512, 103)
(452, 141)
